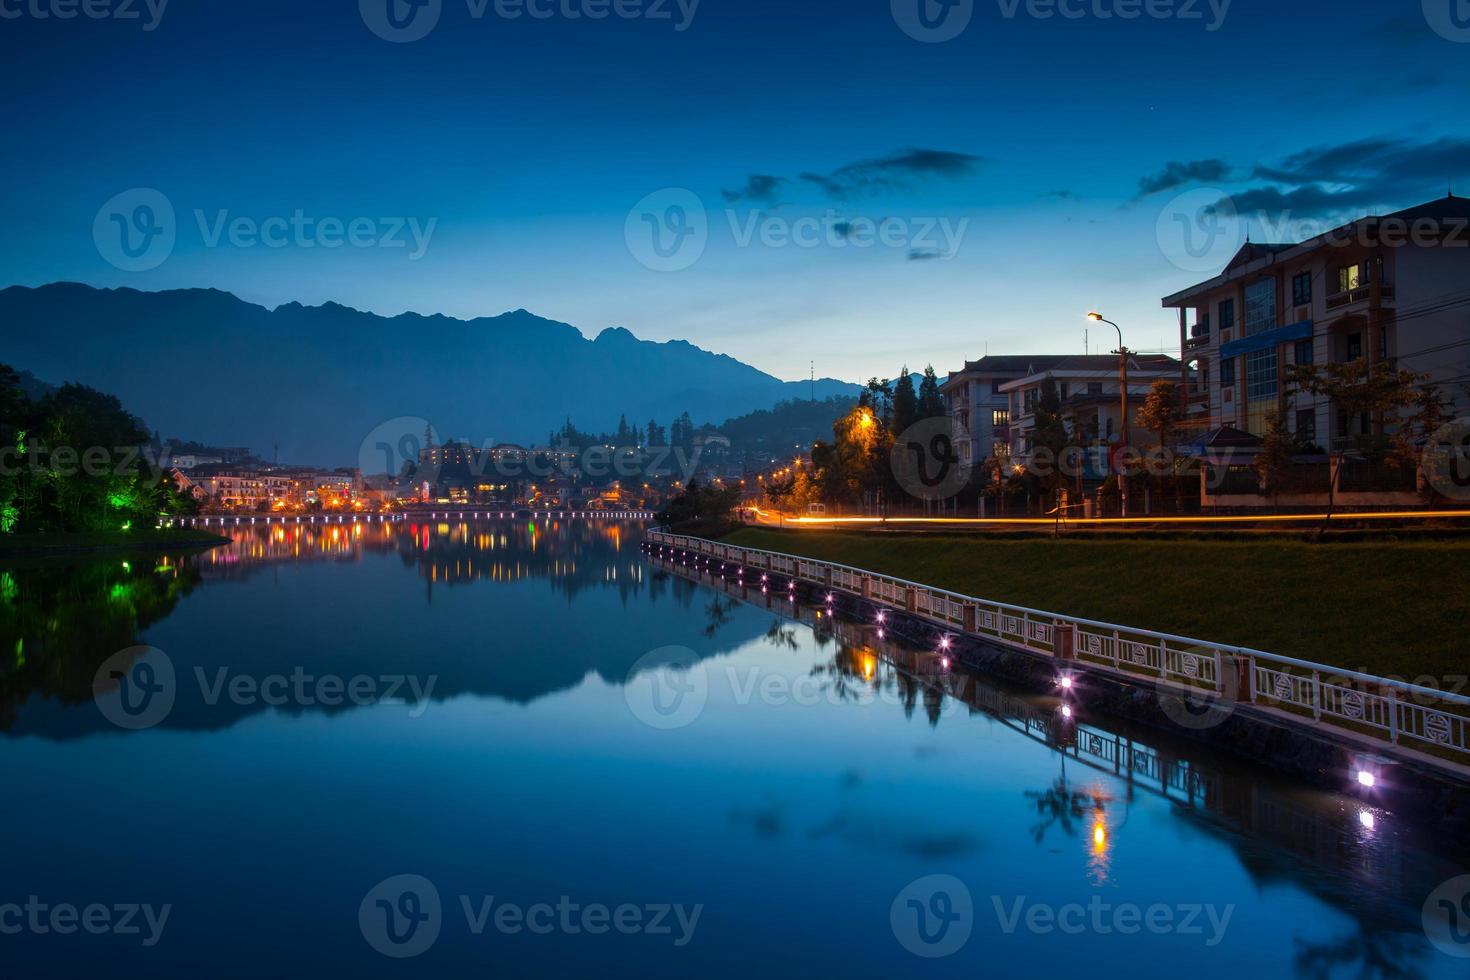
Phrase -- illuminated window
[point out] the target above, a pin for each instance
(1351, 277)
(1000, 418)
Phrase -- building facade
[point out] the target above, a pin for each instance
(1394, 290)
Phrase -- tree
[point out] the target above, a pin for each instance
(1160, 413)
(931, 402)
(1274, 456)
(1360, 388)
(905, 402)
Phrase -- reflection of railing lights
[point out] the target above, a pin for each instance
(1366, 779)
(1366, 819)
(1066, 682)
(1066, 711)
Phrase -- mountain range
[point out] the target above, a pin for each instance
(309, 383)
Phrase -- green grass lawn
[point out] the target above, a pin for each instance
(1398, 609)
(143, 539)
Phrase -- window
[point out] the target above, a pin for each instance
(1351, 277)
(1301, 290)
(1227, 372)
(1000, 418)
(1260, 374)
(1383, 345)
(1227, 314)
(1029, 399)
(1094, 387)
(1201, 324)
(1354, 346)
(1304, 352)
(1306, 425)
(995, 386)
(1066, 388)
(1260, 306)
(1001, 450)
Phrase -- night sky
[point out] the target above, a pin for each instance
(1005, 180)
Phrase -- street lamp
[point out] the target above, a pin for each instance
(1122, 353)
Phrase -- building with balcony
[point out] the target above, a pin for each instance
(1090, 388)
(1393, 289)
(973, 398)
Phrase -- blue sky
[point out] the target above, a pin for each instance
(1053, 149)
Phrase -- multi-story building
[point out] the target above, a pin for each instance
(246, 490)
(1394, 290)
(1090, 388)
(973, 398)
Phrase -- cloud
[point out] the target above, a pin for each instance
(1178, 173)
(920, 254)
(1376, 173)
(894, 172)
(758, 187)
(1063, 195)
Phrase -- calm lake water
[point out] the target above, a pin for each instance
(522, 749)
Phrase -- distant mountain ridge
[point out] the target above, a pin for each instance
(314, 381)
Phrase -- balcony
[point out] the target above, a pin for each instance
(1338, 300)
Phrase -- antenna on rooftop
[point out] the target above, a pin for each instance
(814, 381)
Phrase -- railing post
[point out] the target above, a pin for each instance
(1393, 716)
(1316, 696)
(971, 617)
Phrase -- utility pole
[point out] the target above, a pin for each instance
(1122, 353)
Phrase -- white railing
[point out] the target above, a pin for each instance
(1375, 707)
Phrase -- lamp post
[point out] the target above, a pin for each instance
(1122, 353)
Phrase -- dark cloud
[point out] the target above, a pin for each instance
(920, 254)
(1063, 195)
(1368, 174)
(1178, 173)
(894, 172)
(843, 228)
(1373, 174)
(762, 188)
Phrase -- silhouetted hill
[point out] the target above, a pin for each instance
(204, 364)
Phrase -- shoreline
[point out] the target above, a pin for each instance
(79, 544)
